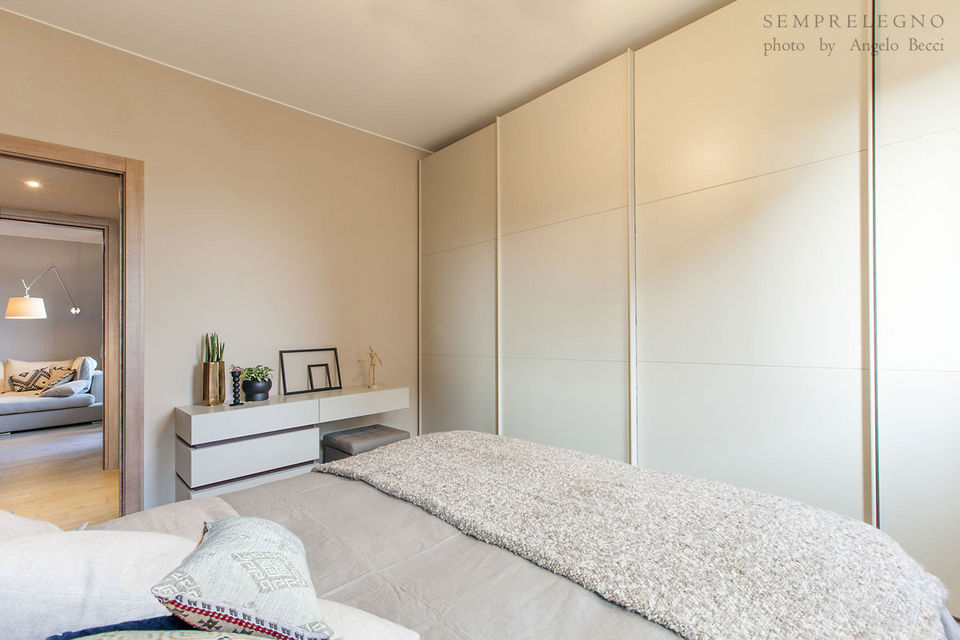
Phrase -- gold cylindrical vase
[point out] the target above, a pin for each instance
(214, 385)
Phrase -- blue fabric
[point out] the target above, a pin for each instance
(163, 623)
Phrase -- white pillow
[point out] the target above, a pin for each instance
(66, 389)
(59, 582)
(355, 624)
(14, 526)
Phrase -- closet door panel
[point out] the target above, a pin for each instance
(761, 271)
(918, 299)
(918, 260)
(564, 290)
(918, 92)
(564, 155)
(791, 431)
(458, 301)
(713, 108)
(458, 393)
(458, 193)
(572, 404)
(751, 242)
(564, 264)
(919, 475)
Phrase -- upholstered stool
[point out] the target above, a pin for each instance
(343, 444)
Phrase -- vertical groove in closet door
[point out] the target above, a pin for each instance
(563, 252)
(633, 432)
(498, 301)
(458, 285)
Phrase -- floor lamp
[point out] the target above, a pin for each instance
(27, 308)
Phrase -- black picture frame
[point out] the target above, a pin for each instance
(326, 372)
(331, 367)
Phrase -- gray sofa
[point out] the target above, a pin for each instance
(24, 410)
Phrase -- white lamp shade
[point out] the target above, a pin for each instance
(25, 309)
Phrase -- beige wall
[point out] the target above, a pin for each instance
(274, 227)
(61, 335)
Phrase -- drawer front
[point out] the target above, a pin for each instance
(183, 492)
(363, 404)
(244, 421)
(200, 466)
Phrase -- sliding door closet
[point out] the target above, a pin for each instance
(719, 258)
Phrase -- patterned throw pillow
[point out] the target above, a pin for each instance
(247, 575)
(168, 635)
(61, 375)
(35, 380)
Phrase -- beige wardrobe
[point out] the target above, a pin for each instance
(704, 259)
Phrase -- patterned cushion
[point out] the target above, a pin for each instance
(61, 375)
(168, 635)
(35, 380)
(162, 623)
(248, 575)
(11, 367)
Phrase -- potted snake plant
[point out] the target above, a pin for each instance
(256, 382)
(214, 387)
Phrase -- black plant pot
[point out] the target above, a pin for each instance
(256, 390)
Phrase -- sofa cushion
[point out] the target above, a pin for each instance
(60, 375)
(13, 367)
(13, 402)
(65, 390)
(35, 380)
(84, 366)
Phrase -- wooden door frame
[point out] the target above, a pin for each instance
(123, 300)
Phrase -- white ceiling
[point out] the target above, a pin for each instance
(423, 72)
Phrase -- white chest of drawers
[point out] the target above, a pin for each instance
(224, 448)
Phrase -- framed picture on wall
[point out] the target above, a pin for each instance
(307, 370)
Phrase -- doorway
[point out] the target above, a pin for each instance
(53, 461)
(115, 212)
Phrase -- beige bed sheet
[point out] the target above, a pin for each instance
(390, 558)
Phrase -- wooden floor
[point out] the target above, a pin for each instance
(57, 475)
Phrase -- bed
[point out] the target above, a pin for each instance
(386, 556)
(392, 558)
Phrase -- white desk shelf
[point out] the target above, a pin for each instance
(224, 448)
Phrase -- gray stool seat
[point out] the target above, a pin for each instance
(343, 444)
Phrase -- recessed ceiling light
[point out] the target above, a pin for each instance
(33, 184)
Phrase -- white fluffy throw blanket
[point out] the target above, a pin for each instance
(708, 560)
